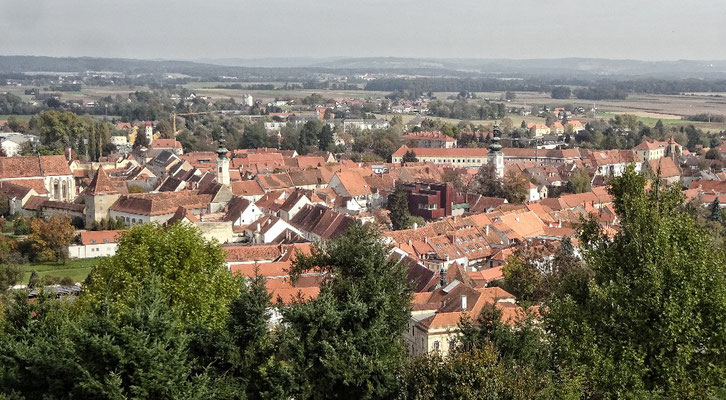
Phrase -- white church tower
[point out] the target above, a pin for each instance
(222, 164)
(495, 156)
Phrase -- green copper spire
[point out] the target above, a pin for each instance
(495, 146)
(222, 150)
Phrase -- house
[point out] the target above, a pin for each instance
(653, 149)
(430, 139)
(319, 224)
(242, 211)
(543, 156)
(268, 228)
(557, 128)
(248, 189)
(171, 145)
(49, 175)
(458, 157)
(12, 142)
(539, 129)
(350, 183)
(17, 196)
(574, 125)
(435, 316)
(158, 207)
(363, 124)
(430, 201)
(612, 162)
(293, 204)
(95, 244)
(665, 168)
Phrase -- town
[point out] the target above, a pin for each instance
(362, 200)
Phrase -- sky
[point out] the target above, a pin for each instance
(520, 29)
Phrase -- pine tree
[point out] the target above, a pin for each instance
(398, 206)
(409, 156)
(93, 145)
(716, 210)
(348, 342)
(326, 137)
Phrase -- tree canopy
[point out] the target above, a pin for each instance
(191, 271)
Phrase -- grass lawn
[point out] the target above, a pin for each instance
(23, 117)
(77, 269)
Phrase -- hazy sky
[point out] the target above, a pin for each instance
(190, 29)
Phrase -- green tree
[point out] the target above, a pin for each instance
(487, 184)
(516, 187)
(650, 320)
(49, 239)
(715, 208)
(10, 275)
(521, 277)
(20, 226)
(191, 270)
(4, 205)
(326, 139)
(309, 136)
(470, 375)
(579, 181)
(53, 350)
(398, 206)
(139, 141)
(713, 154)
(254, 136)
(561, 92)
(409, 156)
(348, 341)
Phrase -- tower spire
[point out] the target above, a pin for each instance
(222, 163)
(495, 156)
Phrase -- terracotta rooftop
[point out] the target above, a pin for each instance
(161, 203)
(33, 166)
(439, 152)
(99, 237)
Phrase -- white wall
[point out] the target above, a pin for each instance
(92, 250)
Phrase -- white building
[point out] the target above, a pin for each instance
(95, 244)
(248, 100)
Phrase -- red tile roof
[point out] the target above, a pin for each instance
(247, 188)
(161, 203)
(438, 152)
(98, 237)
(33, 166)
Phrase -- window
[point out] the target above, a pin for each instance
(436, 345)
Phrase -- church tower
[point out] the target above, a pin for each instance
(222, 164)
(495, 156)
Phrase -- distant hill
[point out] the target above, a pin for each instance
(574, 69)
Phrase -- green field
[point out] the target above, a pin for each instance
(24, 117)
(77, 269)
(651, 121)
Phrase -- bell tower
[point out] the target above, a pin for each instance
(495, 156)
(222, 164)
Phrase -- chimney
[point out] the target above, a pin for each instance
(258, 227)
(415, 226)
(463, 302)
(486, 230)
